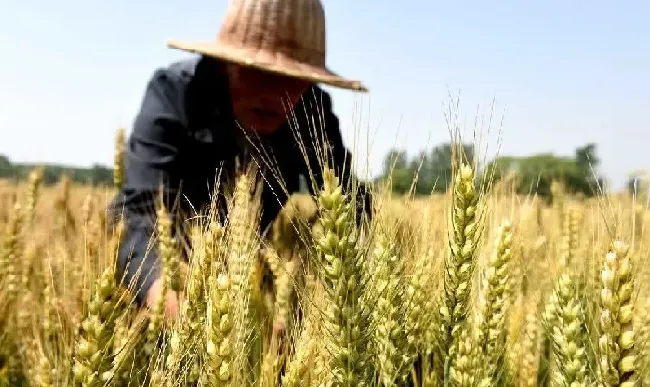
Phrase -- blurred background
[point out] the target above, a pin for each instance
(552, 76)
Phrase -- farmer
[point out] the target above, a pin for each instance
(199, 117)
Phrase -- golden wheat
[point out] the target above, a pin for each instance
(406, 300)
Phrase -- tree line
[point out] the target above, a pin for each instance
(431, 171)
(421, 174)
(97, 175)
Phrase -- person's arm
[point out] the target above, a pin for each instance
(339, 156)
(152, 161)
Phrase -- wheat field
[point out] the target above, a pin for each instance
(477, 287)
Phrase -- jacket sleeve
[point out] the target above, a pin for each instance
(339, 158)
(152, 162)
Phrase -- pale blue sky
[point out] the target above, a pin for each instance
(562, 73)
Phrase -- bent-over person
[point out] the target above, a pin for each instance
(199, 116)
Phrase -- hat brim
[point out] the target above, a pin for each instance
(274, 63)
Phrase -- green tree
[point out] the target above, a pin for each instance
(427, 172)
(536, 173)
(441, 160)
(4, 162)
(395, 170)
(638, 184)
(395, 159)
(586, 157)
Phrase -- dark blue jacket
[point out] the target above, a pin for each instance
(185, 138)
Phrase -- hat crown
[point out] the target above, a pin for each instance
(288, 29)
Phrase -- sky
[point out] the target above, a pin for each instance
(532, 77)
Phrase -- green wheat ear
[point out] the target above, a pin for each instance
(459, 267)
(93, 364)
(344, 281)
(568, 337)
(389, 312)
(219, 332)
(494, 303)
(617, 353)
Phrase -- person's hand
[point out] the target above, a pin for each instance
(278, 337)
(172, 304)
(173, 299)
(279, 329)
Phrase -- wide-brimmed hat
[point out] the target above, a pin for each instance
(285, 37)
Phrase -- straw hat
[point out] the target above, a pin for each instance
(286, 37)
